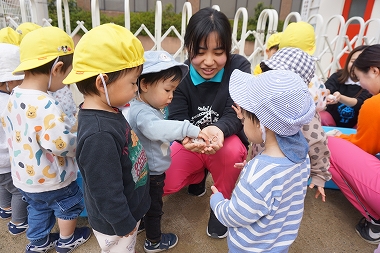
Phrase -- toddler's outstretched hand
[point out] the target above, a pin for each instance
(320, 191)
(237, 109)
(214, 189)
(240, 165)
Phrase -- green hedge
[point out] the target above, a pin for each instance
(170, 18)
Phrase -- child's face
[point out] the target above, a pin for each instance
(252, 129)
(124, 88)
(370, 80)
(160, 94)
(210, 58)
(271, 52)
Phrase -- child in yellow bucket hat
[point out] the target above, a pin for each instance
(9, 36)
(63, 94)
(106, 66)
(271, 48)
(41, 147)
(299, 35)
(25, 28)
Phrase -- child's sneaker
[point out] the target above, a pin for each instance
(168, 241)
(46, 247)
(368, 231)
(80, 236)
(5, 214)
(17, 229)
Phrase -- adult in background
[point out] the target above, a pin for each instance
(203, 99)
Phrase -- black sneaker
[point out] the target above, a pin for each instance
(368, 231)
(198, 189)
(168, 241)
(215, 229)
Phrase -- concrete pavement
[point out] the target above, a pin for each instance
(326, 227)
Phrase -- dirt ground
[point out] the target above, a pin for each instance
(326, 227)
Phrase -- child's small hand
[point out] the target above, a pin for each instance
(131, 233)
(237, 109)
(320, 191)
(214, 189)
(240, 165)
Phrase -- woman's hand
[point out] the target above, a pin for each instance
(334, 132)
(216, 139)
(320, 191)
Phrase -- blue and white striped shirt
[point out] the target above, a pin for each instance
(266, 207)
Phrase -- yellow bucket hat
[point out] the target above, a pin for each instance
(299, 35)
(42, 46)
(273, 40)
(104, 49)
(25, 28)
(9, 36)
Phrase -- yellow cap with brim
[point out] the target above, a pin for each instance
(25, 28)
(299, 35)
(42, 46)
(104, 49)
(273, 40)
(9, 36)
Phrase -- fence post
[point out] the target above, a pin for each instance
(95, 13)
(158, 25)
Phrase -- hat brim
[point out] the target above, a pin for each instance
(77, 76)
(238, 88)
(32, 64)
(9, 77)
(162, 66)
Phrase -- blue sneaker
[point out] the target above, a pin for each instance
(168, 241)
(5, 214)
(17, 229)
(80, 236)
(46, 247)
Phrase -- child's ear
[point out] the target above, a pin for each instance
(57, 68)
(143, 85)
(99, 83)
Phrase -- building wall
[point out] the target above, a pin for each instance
(283, 7)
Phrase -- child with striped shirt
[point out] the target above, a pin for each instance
(266, 207)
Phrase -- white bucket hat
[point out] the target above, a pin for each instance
(9, 61)
(282, 103)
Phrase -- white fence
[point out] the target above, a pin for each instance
(330, 48)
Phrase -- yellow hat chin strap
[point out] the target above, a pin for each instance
(51, 72)
(105, 89)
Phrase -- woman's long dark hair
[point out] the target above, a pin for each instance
(370, 57)
(344, 74)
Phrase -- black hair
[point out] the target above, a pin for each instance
(201, 25)
(264, 67)
(88, 86)
(173, 73)
(250, 116)
(45, 69)
(276, 47)
(344, 73)
(370, 57)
